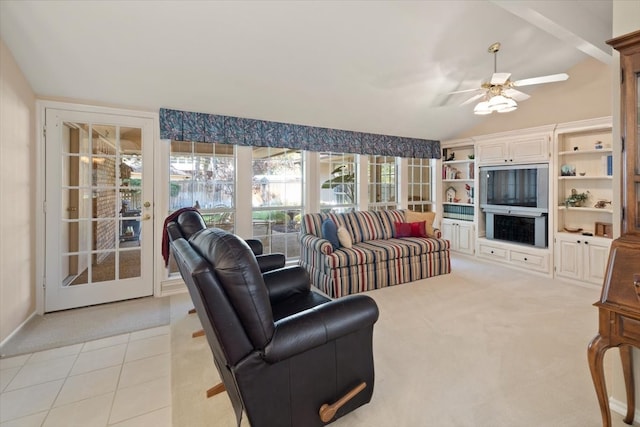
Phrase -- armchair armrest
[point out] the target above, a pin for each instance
(255, 245)
(270, 262)
(285, 282)
(315, 243)
(317, 326)
(437, 233)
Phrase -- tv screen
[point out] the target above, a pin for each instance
(512, 187)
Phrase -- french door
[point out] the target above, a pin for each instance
(98, 189)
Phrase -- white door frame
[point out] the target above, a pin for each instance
(41, 106)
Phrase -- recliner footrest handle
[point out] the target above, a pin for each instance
(327, 412)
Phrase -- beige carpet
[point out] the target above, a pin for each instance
(483, 346)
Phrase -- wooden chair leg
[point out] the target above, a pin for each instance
(198, 333)
(193, 310)
(327, 412)
(216, 389)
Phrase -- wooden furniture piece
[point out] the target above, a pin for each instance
(619, 304)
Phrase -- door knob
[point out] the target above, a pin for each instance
(72, 209)
(147, 204)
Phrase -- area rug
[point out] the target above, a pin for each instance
(79, 325)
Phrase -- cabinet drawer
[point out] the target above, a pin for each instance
(628, 328)
(528, 260)
(493, 252)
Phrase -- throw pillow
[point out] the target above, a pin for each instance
(418, 229)
(344, 237)
(330, 232)
(403, 229)
(427, 217)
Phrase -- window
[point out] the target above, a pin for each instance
(420, 192)
(382, 182)
(202, 175)
(277, 191)
(338, 184)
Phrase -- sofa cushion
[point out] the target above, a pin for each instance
(421, 245)
(330, 232)
(365, 225)
(312, 223)
(356, 255)
(390, 248)
(410, 229)
(403, 229)
(344, 237)
(387, 218)
(376, 251)
(427, 217)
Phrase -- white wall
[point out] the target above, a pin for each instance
(17, 195)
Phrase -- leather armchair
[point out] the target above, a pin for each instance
(287, 356)
(190, 222)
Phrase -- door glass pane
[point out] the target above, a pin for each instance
(129, 264)
(101, 185)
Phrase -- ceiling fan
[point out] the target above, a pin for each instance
(499, 94)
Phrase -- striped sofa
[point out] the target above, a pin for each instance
(377, 258)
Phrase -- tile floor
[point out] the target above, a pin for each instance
(121, 381)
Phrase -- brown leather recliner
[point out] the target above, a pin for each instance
(286, 355)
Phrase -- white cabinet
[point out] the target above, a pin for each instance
(460, 234)
(521, 256)
(518, 150)
(581, 258)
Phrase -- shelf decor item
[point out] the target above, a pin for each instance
(601, 204)
(451, 194)
(568, 170)
(604, 229)
(576, 199)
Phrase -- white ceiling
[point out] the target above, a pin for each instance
(373, 66)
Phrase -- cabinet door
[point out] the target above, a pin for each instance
(492, 153)
(569, 258)
(465, 238)
(448, 234)
(529, 150)
(596, 257)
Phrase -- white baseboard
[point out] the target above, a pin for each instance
(621, 408)
(15, 331)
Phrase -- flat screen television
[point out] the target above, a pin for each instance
(515, 186)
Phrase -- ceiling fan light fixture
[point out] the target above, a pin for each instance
(499, 103)
(511, 105)
(482, 108)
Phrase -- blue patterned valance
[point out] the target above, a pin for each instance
(200, 127)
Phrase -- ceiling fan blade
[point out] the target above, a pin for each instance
(464, 91)
(542, 79)
(516, 94)
(472, 99)
(500, 78)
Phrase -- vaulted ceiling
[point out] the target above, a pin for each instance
(378, 66)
